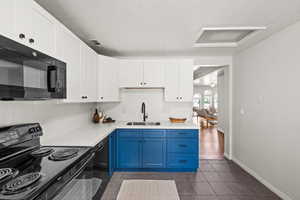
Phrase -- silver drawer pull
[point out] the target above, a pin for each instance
(182, 161)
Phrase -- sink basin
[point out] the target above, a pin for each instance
(143, 123)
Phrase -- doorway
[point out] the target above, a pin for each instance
(211, 106)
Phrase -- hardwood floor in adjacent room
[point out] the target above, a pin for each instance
(212, 143)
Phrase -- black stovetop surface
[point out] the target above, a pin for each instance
(49, 169)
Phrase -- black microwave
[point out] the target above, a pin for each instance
(27, 74)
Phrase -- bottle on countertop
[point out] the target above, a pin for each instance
(96, 117)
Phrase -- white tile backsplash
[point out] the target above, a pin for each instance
(54, 116)
(129, 109)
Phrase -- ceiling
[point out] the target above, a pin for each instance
(167, 27)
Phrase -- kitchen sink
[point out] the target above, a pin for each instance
(143, 123)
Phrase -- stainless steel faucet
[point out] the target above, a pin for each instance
(145, 116)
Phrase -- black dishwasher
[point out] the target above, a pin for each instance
(92, 179)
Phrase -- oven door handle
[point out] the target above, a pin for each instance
(86, 163)
(82, 167)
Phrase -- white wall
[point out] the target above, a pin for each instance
(55, 118)
(223, 106)
(129, 109)
(266, 86)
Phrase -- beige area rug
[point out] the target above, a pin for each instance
(148, 190)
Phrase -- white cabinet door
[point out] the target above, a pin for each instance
(68, 50)
(153, 74)
(131, 73)
(171, 81)
(34, 26)
(186, 80)
(43, 30)
(23, 21)
(7, 18)
(88, 74)
(108, 79)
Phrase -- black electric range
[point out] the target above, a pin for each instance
(29, 171)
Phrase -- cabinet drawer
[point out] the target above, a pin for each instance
(152, 133)
(176, 160)
(129, 133)
(183, 133)
(182, 145)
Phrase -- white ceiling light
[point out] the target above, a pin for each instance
(224, 36)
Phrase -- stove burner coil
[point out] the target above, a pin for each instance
(63, 154)
(6, 173)
(18, 184)
(44, 151)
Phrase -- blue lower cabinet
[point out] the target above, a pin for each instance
(154, 153)
(129, 155)
(182, 161)
(176, 145)
(156, 150)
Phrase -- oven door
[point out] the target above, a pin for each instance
(92, 178)
(84, 186)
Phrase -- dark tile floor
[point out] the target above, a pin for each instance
(215, 180)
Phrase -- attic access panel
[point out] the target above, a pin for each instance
(224, 36)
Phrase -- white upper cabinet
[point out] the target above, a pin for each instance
(108, 79)
(153, 73)
(68, 50)
(43, 30)
(172, 81)
(88, 74)
(131, 73)
(186, 87)
(179, 81)
(23, 21)
(7, 18)
(34, 26)
(135, 73)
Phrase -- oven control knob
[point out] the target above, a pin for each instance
(31, 130)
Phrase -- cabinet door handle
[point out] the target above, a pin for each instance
(31, 41)
(183, 145)
(141, 83)
(180, 98)
(145, 83)
(182, 161)
(182, 133)
(21, 35)
(177, 98)
(102, 98)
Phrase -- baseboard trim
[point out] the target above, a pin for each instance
(227, 156)
(262, 180)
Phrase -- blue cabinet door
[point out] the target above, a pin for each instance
(154, 153)
(129, 153)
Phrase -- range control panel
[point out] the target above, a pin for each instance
(15, 134)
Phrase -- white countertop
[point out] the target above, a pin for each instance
(96, 132)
